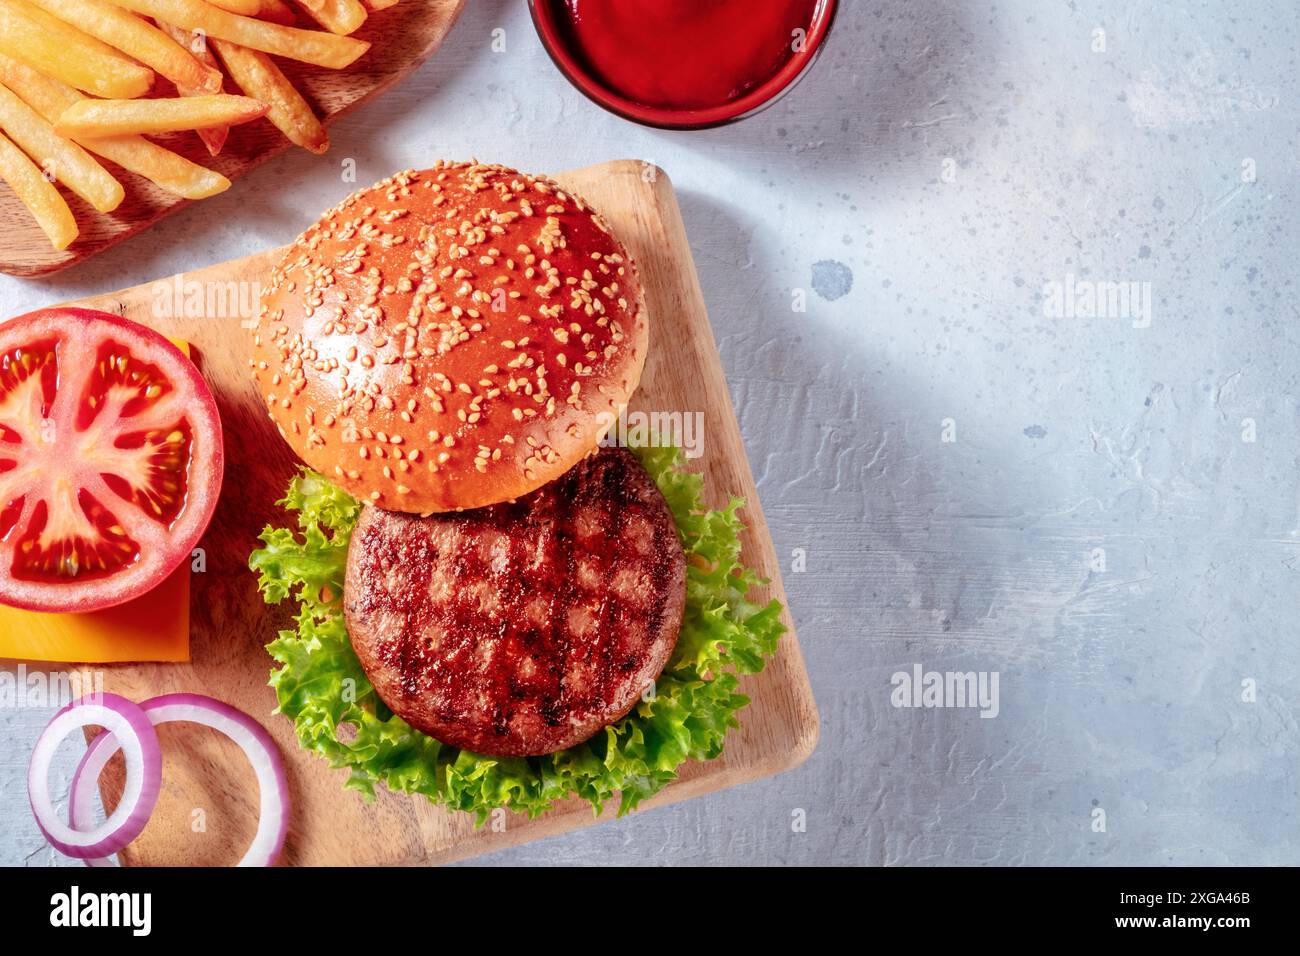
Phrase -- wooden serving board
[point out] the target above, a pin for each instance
(207, 781)
(401, 38)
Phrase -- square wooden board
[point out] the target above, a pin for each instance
(208, 810)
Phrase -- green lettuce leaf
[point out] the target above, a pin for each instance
(321, 687)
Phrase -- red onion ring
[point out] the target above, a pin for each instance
(124, 722)
(248, 734)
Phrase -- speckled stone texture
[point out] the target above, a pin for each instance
(1111, 526)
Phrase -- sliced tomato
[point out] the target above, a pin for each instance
(110, 460)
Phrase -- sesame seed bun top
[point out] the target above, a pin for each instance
(450, 338)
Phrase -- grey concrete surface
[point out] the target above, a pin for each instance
(983, 474)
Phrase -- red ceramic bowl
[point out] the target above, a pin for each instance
(756, 100)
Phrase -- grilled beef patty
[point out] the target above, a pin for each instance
(522, 628)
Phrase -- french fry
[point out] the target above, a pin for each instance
(246, 8)
(46, 95)
(168, 170)
(277, 11)
(137, 39)
(261, 79)
(213, 137)
(165, 169)
(380, 4)
(38, 194)
(338, 16)
(46, 43)
(308, 46)
(67, 162)
(125, 117)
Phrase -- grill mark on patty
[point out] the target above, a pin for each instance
(551, 710)
(406, 634)
(608, 583)
(546, 687)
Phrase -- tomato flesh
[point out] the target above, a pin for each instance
(93, 546)
(110, 459)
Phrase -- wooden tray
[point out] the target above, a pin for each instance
(230, 624)
(401, 37)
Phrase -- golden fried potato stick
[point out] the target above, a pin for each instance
(46, 43)
(213, 137)
(338, 16)
(308, 46)
(168, 170)
(38, 194)
(137, 39)
(60, 158)
(125, 117)
(165, 169)
(247, 8)
(261, 79)
(381, 4)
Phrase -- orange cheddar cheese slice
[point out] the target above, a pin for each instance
(153, 627)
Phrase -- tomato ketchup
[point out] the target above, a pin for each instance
(685, 54)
